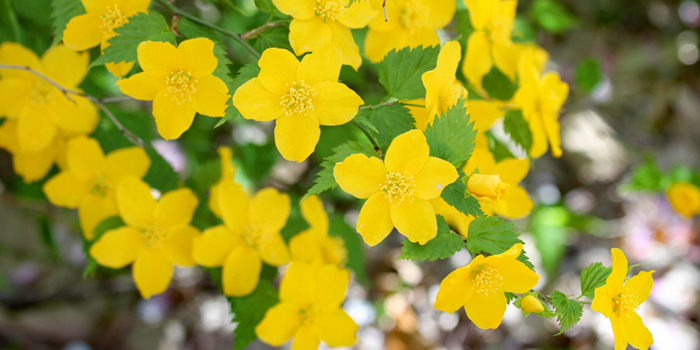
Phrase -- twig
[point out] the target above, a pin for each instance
(371, 139)
(380, 104)
(68, 92)
(386, 18)
(254, 33)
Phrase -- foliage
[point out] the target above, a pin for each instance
(569, 311)
(324, 179)
(443, 246)
(400, 72)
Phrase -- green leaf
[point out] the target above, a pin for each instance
(647, 177)
(389, 121)
(63, 11)
(492, 235)
(161, 175)
(592, 277)
(245, 73)
(105, 225)
(443, 246)
(324, 179)
(353, 245)
(206, 175)
(142, 27)
(257, 160)
(499, 150)
(265, 6)
(400, 71)
(498, 85)
(547, 313)
(464, 23)
(273, 37)
(453, 194)
(451, 137)
(552, 16)
(361, 119)
(569, 311)
(523, 32)
(249, 310)
(518, 129)
(588, 74)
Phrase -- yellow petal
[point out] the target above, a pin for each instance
(99, 6)
(241, 271)
(175, 208)
(75, 117)
(135, 202)
(305, 247)
(640, 285)
(120, 69)
(332, 285)
(511, 170)
(308, 35)
(484, 113)
(486, 311)
(13, 96)
(357, 15)
(313, 212)
(255, 102)
(296, 136)
(323, 65)
(234, 203)
(66, 190)
(160, 56)
(211, 96)
(638, 334)
(211, 248)
(273, 250)
(199, 56)
(93, 210)
(306, 339)
(619, 272)
(278, 69)
(379, 43)
(415, 220)
(551, 128)
(33, 166)
(420, 113)
(517, 278)
(336, 328)
(131, 7)
(506, 56)
(407, 153)
(335, 103)
(296, 9)
(152, 272)
(441, 12)
(425, 36)
(13, 53)
(483, 159)
(178, 245)
(141, 86)
(478, 59)
(374, 222)
(65, 66)
(85, 157)
(602, 302)
(620, 333)
(83, 32)
(118, 248)
(35, 132)
(455, 290)
(299, 284)
(516, 204)
(456, 219)
(269, 209)
(434, 177)
(131, 161)
(359, 175)
(172, 119)
(684, 198)
(539, 136)
(342, 38)
(279, 324)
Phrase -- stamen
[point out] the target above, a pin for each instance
(398, 187)
(415, 16)
(299, 99)
(487, 279)
(309, 314)
(100, 186)
(41, 93)
(252, 236)
(330, 9)
(181, 86)
(334, 252)
(111, 20)
(625, 304)
(154, 235)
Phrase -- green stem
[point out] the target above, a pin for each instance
(371, 139)
(232, 35)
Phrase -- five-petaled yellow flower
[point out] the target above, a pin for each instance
(480, 286)
(684, 198)
(180, 83)
(249, 236)
(411, 23)
(398, 190)
(619, 303)
(98, 25)
(317, 22)
(314, 245)
(300, 96)
(228, 171)
(310, 309)
(31, 166)
(89, 180)
(156, 237)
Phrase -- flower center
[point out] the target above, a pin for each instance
(154, 235)
(398, 187)
(415, 15)
(181, 86)
(455, 93)
(487, 279)
(252, 236)
(299, 99)
(112, 19)
(334, 252)
(330, 9)
(100, 186)
(308, 314)
(625, 304)
(41, 93)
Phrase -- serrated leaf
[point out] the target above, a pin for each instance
(62, 12)
(592, 277)
(389, 121)
(451, 137)
(443, 246)
(361, 119)
(492, 235)
(324, 179)
(400, 71)
(453, 194)
(273, 37)
(142, 27)
(569, 311)
(265, 6)
(519, 130)
(353, 245)
(498, 85)
(249, 310)
(547, 313)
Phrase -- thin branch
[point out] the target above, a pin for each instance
(68, 92)
(371, 139)
(254, 33)
(380, 104)
(386, 18)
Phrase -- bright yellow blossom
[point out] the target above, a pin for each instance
(487, 188)
(228, 171)
(480, 286)
(531, 304)
(156, 237)
(619, 303)
(314, 245)
(484, 113)
(310, 309)
(180, 83)
(398, 190)
(299, 96)
(89, 180)
(249, 236)
(31, 166)
(41, 110)
(411, 23)
(98, 25)
(684, 198)
(318, 22)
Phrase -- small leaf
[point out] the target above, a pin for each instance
(492, 235)
(361, 119)
(451, 137)
(453, 194)
(265, 6)
(63, 12)
(498, 85)
(273, 37)
(389, 121)
(569, 311)
(592, 277)
(401, 71)
(519, 130)
(249, 310)
(325, 180)
(443, 246)
(588, 74)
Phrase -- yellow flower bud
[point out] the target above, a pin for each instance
(531, 304)
(488, 188)
(684, 198)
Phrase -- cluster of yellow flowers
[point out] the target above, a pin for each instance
(45, 125)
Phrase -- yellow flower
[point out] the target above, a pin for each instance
(310, 309)
(398, 190)
(453, 217)
(411, 23)
(480, 286)
(249, 236)
(318, 22)
(484, 113)
(300, 96)
(157, 235)
(541, 100)
(516, 204)
(228, 171)
(314, 245)
(487, 188)
(619, 303)
(31, 166)
(98, 25)
(684, 198)
(89, 180)
(41, 110)
(180, 83)
(531, 304)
